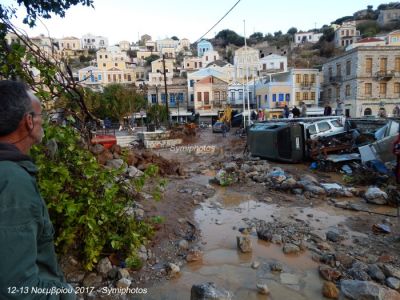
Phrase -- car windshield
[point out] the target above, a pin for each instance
(323, 126)
(335, 123)
(312, 129)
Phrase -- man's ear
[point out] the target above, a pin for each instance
(29, 122)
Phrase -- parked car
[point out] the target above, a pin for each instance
(217, 127)
(324, 128)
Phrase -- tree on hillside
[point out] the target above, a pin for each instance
(175, 38)
(256, 37)
(292, 31)
(343, 19)
(368, 28)
(226, 37)
(151, 58)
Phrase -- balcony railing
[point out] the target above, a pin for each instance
(307, 85)
(335, 79)
(384, 75)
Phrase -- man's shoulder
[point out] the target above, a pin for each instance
(15, 170)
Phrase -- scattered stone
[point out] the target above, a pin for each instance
(194, 255)
(314, 189)
(391, 271)
(75, 276)
(123, 283)
(276, 267)
(376, 273)
(230, 166)
(263, 288)
(329, 273)
(115, 163)
(357, 289)
(209, 291)
(334, 236)
(123, 273)
(329, 290)
(92, 279)
(345, 260)
(290, 279)
(358, 271)
(244, 243)
(173, 269)
(290, 249)
(324, 246)
(97, 149)
(276, 175)
(218, 222)
(133, 172)
(393, 283)
(375, 195)
(104, 266)
(255, 264)
(276, 239)
(183, 244)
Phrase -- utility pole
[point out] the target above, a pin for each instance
(166, 91)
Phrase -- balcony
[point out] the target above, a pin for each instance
(335, 79)
(307, 85)
(280, 104)
(384, 75)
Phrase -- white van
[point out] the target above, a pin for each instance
(324, 128)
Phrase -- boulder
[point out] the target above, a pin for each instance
(183, 244)
(230, 166)
(244, 244)
(290, 248)
(123, 283)
(104, 156)
(330, 291)
(391, 271)
(97, 149)
(104, 266)
(173, 269)
(376, 273)
(209, 291)
(314, 189)
(329, 273)
(194, 255)
(276, 175)
(375, 195)
(393, 283)
(263, 288)
(357, 289)
(276, 267)
(133, 172)
(115, 163)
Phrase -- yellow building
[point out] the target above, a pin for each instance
(210, 95)
(156, 77)
(393, 38)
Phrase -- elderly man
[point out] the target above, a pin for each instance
(28, 263)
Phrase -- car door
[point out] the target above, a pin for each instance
(324, 128)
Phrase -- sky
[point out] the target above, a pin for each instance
(129, 19)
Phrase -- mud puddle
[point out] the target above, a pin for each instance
(219, 218)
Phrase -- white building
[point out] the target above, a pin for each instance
(90, 41)
(310, 37)
(273, 63)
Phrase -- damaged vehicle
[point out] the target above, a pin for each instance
(324, 128)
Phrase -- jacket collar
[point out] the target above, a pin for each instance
(9, 152)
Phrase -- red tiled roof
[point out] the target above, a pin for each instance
(369, 40)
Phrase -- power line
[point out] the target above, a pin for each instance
(219, 21)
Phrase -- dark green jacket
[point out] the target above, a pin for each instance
(28, 263)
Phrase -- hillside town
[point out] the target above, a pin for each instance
(260, 167)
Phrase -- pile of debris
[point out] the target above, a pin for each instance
(135, 161)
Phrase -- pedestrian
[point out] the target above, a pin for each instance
(295, 112)
(327, 110)
(339, 108)
(303, 110)
(28, 259)
(396, 111)
(396, 151)
(223, 128)
(286, 112)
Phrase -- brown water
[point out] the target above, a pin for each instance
(229, 268)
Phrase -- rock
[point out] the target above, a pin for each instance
(116, 149)
(92, 279)
(183, 244)
(245, 168)
(375, 195)
(289, 279)
(328, 259)
(290, 249)
(356, 289)
(104, 266)
(230, 166)
(244, 243)
(344, 259)
(314, 189)
(194, 255)
(393, 283)
(334, 236)
(376, 273)
(113, 273)
(115, 163)
(324, 246)
(209, 291)
(288, 184)
(133, 172)
(255, 264)
(276, 175)
(391, 271)
(262, 288)
(75, 276)
(358, 271)
(138, 213)
(329, 273)
(105, 156)
(123, 273)
(329, 290)
(276, 239)
(173, 269)
(276, 267)
(97, 149)
(309, 179)
(297, 191)
(123, 283)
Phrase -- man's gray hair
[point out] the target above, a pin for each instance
(14, 104)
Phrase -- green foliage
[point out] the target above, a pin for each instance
(368, 28)
(292, 31)
(226, 37)
(157, 114)
(86, 202)
(175, 38)
(151, 58)
(343, 19)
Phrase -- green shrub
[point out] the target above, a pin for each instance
(87, 203)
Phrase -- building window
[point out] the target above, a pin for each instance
(305, 78)
(367, 112)
(99, 77)
(119, 77)
(281, 97)
(240, 95)
(397, 64)
(114, 77)
(347, 91)
(337, 92)
(106, 56)
(305, 95)
(368, 65)
(338, 70)
(312, 78)
(206, 98)
(368, 89)
(397, 88)
(180, 97)
(298, 78)
(382, 88)
(312, 95)
(104, 65)
(153, 98)
(101, 56)
(199, 96)
(329, 93)
(129, 77)
(191, 97)
(297, 96)
(172, 98)
(383, 64)
(348, 67)
(217, 95)
(287, 97)
(233, 96)
(330, 72)
(163, 97)
(109, 77)
(273, 97)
